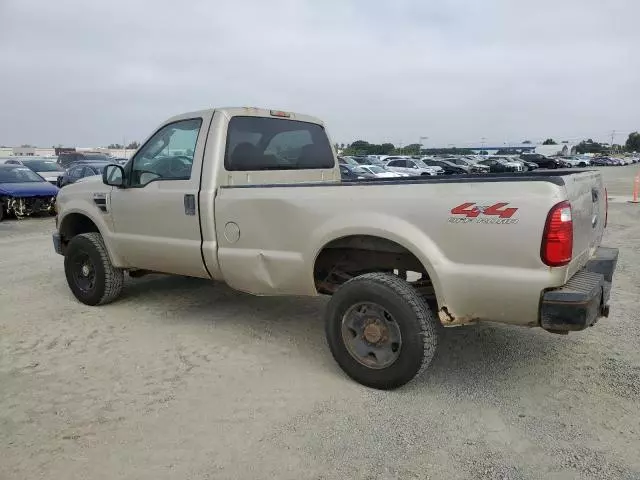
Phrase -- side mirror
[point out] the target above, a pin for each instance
(113, 175)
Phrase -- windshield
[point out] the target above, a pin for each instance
(42, 165)
(19, 175)
(421, 164)
(376, 169)
(376, 161)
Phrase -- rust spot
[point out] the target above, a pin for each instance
(448, 319)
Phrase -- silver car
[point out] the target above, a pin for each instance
(413, 167)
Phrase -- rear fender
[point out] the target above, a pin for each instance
(386, 227)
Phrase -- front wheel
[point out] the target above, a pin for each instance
(380, 331)
(90, 274)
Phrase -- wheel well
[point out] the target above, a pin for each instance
(347, 257)
(75, 224)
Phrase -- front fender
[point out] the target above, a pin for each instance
(100, 219)
(384, 226)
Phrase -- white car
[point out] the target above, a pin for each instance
(577, 161)
(412, 167)
(46, 168)
(378, 172)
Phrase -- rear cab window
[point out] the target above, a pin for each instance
(262, 144)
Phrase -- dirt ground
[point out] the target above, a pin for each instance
(186, 379)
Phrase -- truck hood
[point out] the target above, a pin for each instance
(92, 184)
(28, 189)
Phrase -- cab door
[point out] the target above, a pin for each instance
(155, 215)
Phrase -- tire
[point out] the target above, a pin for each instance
(2, 213)
(410, 317)
(101, 282)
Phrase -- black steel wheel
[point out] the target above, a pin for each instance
(380, 331)
(90, 274)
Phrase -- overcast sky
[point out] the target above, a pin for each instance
(89, 73)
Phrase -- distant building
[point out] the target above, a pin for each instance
(560, 149)
(493, 149)
(24, 151)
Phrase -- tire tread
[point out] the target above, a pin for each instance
(429, 326)
(113, 277)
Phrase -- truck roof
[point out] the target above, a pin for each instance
(249, 112)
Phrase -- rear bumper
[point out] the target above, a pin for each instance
(584, 298)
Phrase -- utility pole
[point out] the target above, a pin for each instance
(613, 136)
(420, 144)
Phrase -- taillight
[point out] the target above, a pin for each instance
(557, 239)
(606, 208)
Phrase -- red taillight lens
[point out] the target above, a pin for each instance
(606, 208)
(557, 239)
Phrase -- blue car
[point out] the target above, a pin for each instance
(23, 192)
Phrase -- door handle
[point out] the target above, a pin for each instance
(189, 204)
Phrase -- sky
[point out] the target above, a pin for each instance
(90, 73)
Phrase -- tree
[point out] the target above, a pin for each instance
(526, 142)
(412, 149)
(633, 142)
(590, 146)
(133, 146)
(26, 145)
(386, 148)
(549, 141)
(115, 146)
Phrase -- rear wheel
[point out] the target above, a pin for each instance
(380, 331)
(90, 274)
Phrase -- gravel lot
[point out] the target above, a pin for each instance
(185, 379)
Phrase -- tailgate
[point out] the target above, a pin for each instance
(585, 191)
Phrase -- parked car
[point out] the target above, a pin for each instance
(347, 161)
(576, 161)
(541, 160)
(528, 164)
(480, 248)
(607, 162)
(378, 172)
(349, 173)
(66, 159)
(601, 161)
(47, 169)
(474, 166)
(412, 167)
(23, 192)
(449, 168)
(118, 160)
(81, 170)
(501, 165)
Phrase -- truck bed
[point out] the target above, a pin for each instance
(554, 176)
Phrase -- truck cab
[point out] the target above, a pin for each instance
(156, 200)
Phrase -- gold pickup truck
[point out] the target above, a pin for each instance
(253, 198)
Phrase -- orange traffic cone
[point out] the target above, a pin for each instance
(636, 186)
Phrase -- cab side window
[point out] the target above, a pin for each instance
(168, 155)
